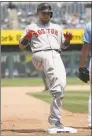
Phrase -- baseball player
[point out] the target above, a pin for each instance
(87, 38)
(46, 43)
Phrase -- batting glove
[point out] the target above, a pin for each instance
(30, 34)
(68, 36)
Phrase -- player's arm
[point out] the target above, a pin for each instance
(83, 71)
(23, 42)
(86, 47)
(84, 53)
(25, 38)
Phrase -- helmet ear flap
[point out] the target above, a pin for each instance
(51, 14)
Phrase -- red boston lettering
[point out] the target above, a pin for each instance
(56, 32)
(52, 31)
(43, 31)
(39, 32)
(48, 30)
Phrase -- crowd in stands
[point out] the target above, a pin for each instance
(17, 15)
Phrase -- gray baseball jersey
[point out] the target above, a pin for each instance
(49, 36)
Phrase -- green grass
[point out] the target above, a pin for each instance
(74, 101)
(21, 82)
(74, 81)
(34, 81)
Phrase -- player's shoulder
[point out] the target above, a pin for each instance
(57, 26)
(54, 24)
(32, 25)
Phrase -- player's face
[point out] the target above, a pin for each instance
(44, 16)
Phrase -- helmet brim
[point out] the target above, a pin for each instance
(46, 10)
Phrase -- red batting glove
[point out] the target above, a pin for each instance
(68, 36)
(30, 33)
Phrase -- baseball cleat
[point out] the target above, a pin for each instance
(58, 124)
(55, 123)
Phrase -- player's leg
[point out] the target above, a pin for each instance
(89, 102)
(55, 71)
(37, 62)
(45, 81)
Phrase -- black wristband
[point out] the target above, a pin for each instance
(24, 42)
(66, 43)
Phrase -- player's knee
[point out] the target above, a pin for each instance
(58, 95)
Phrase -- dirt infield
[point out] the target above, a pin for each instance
(25, 115)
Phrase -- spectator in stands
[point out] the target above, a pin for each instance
(74, 22)
(81, 24)
(11, 6)
(13, 18)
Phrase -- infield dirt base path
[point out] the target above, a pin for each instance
(22, 114)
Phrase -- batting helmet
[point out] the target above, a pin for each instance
(44, 7)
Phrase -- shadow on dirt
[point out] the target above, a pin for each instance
(24, 130)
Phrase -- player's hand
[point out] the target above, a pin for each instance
(30, 33)
(83, 74)
(68, 36)
(21, 47)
